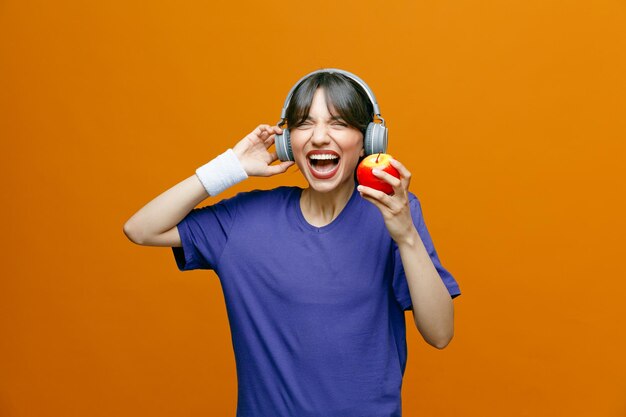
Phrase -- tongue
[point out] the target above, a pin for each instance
(325, 165)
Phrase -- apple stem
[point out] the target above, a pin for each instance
(378, 157)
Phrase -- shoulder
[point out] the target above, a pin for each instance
(264, 195)
(260, 198)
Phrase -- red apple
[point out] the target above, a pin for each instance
(381, 161)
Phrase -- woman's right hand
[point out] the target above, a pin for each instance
(252, 152)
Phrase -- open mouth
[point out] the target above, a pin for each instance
(323, 165)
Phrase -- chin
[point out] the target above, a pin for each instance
(327, 186)
(322, 188)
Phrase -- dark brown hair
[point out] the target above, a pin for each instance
(345, 98)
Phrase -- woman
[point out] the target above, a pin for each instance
(315, 280)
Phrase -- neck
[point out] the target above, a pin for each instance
(319, 209)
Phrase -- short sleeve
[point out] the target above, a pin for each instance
(400, 284)
(203, 235)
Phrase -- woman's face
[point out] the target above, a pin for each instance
(325, 147)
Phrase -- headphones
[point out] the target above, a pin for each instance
(374, 141)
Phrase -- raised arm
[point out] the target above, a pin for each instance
(155, 223)
(433, 309)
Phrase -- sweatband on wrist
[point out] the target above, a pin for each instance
(222, 172)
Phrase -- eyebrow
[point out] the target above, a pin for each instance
(332, 118)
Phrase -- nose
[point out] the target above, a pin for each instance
(320, 136)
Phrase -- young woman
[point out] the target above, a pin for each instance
(315, 280)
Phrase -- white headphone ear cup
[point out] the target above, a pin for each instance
(283, 146)
(375, 140)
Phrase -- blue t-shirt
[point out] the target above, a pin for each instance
(316, 313)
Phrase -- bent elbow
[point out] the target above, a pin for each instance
(131, 234)
(441, 342)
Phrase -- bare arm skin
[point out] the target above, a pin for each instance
(155, 223)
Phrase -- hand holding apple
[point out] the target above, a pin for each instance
(393, 206)
(366, 177)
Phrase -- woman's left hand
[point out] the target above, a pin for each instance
(394, 208)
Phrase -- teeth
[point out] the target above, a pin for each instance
(323, 156)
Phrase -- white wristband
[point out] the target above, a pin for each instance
(220, 173)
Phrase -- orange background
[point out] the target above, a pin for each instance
(510, 116)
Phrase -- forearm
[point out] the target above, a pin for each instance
(167, 210)
(248, 158)
(433, 309)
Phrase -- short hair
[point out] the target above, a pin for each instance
(345, 98)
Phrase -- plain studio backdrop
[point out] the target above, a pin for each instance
(510, 116)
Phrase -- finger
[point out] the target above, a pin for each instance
(399, 185)
(404, 172)
(279, 168)
(261, 131)
(376, 195)
(273, 157)
(387, 177)
(269, 141)
(267, 130)
(273, 131)
(367, 196)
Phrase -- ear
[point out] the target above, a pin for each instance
(362, 153)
